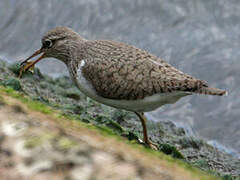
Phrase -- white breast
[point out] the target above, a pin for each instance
(143, 105)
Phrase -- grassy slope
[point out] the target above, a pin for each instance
(178, 167)
(43, 96)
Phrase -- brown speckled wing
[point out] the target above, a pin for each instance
(120, 71)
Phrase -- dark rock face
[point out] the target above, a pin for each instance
(198, 37)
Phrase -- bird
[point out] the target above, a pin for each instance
(118, 74)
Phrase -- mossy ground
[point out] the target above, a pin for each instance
(68, 122)
(59, 97)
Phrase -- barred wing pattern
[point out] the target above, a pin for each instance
(120, 71)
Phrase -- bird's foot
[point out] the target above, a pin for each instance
(152, 146)
(149, 144)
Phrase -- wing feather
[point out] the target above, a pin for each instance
(120, 71)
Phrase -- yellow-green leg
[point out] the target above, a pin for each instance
(146, 140)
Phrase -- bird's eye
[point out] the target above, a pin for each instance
(48, 43)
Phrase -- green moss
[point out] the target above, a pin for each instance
(38, 106)
(63, 82)
(15, 67)
(119, 115)
(35, 141)
(113, 125)
(187, 142)
(229, 177)
(201, 164)
(104, 130)
(13, 83)
(41, 99)
(65, 143)
(102, 119)
(2, 102)
(73, 94)
(130, 135)
(74, 108)
(43, 84)
(170, 150)
(196, 173)
(34, 105)
(100, 128)
(85, 117)
(32, 142)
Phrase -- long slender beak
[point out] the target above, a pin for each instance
(28, 65)
(33, 55)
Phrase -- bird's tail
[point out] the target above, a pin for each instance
(211, 91)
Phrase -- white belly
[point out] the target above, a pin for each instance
(143, 105)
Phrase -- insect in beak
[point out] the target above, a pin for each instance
(27, 65)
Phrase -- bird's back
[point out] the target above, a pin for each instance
(120, 71)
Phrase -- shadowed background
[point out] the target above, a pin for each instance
(201, 38)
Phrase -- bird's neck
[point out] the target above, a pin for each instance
(73, 51)
(76, 55)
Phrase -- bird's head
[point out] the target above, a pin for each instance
(56, 43)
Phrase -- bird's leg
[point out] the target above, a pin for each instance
(146, 140)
